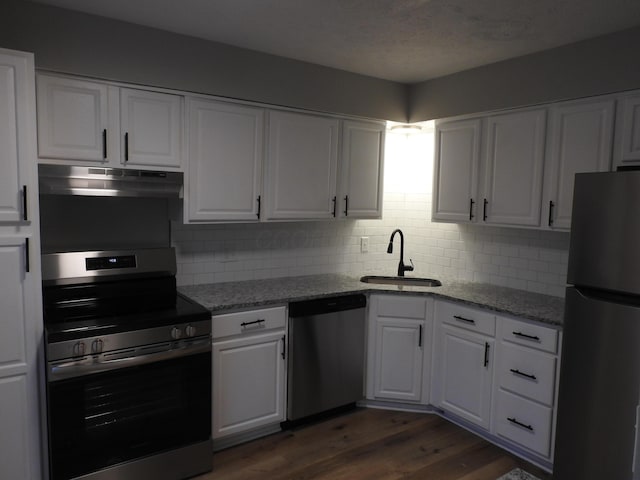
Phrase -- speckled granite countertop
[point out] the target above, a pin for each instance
(220, 297)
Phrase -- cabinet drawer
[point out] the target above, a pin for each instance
(251, 321)
(401, 307)
(464, 317)
(530, 334)
(524, 422)
(527, 372)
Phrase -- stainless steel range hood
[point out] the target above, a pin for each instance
(108, 182)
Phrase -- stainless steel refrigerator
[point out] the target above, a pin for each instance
(599, 395)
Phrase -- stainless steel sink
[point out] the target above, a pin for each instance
(408, 281)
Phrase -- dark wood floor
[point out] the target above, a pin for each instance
(369, 444)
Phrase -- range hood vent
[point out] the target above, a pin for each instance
(108, 182)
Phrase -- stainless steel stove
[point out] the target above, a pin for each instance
(128, 368)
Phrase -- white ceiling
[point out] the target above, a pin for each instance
(402, 40)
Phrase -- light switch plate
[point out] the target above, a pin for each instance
(364, 244)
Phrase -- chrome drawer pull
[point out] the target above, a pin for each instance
(527, 337)
(516, 422)
(246, 324)
(462, 319)
(526, 375)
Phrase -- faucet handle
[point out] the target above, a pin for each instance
(410, 268)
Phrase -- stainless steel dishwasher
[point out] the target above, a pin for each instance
(326, 355)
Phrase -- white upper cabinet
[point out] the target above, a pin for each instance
(151, 124)
(627, 142)
(361, 170)
(302, 158)
(580, 140)
(82, 121)
(513, 168)
(14, 125)
(72, 119)
(225, 161)
(457, 159)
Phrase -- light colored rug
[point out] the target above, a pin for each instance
(517, 474)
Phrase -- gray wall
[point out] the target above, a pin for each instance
(77, 43)
(82, 44)
(602, 65)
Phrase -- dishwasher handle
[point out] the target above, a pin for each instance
(324, 305)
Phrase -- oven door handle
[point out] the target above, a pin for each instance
(88, 365)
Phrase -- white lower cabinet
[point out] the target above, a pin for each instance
(248, 371)
(499, 374)
(527, 367)
(463, 362)
(399, 348)
(524, 422)
(21, 423)
(14, 416)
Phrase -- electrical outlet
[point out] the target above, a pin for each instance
(364, 244)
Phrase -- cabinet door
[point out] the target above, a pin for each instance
(12, 295)
(72, 119)
(398, 363)
(15, 456)
(580, 139)
(627, 149)
(14, 125)
(361, 170)
(455, 180)
(248, 383)
(302, 161)
(462, 376)
(514, 163)
(225, 161)
(151, 125)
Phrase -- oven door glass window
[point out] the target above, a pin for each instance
(107, 418)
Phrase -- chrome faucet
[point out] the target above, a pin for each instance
(401, 266)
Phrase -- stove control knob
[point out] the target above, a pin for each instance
(176, 333)
(190, 330)
(78, 349)
(96, 346)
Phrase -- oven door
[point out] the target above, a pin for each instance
(103, 419)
